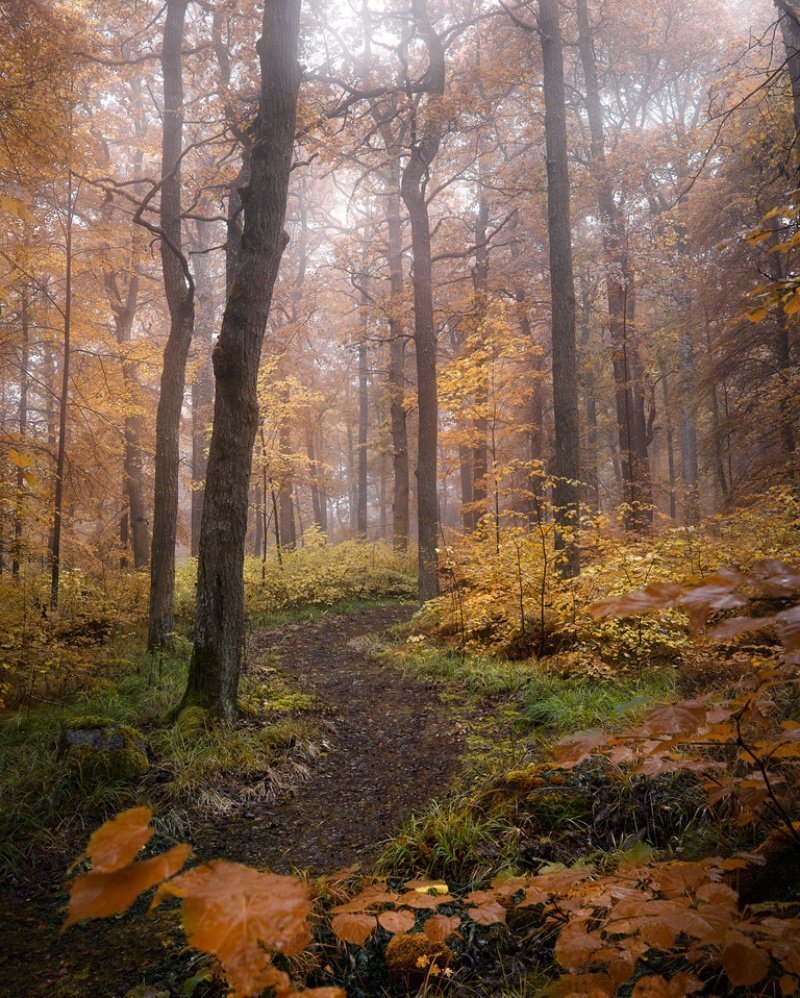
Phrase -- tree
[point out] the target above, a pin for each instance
(179, 290)
(426, 135)
(566, 494)
(219, 629)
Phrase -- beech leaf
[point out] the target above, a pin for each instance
(396, 921)
(235, 912)
(116, 843)
(353, 928)
(438, 928)
(745, 963)
(100, 893)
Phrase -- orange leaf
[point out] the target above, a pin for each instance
(657, 596)
(788, 984)
(575, 945)
(440, 927)
(576, 748)
(234, 912)
(101, 893)
(657, 987)
(683, 718)
(490, 913)
(116, 843)
(396, 921)
(353, 928)
(788, 628)
(744, 963)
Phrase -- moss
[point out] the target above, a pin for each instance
(192, 721)
(412, 954)
(94, 747)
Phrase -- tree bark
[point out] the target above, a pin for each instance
(179, 291)
(413, 188)
(202, 394)
(634, 461)
(216, 660)
(397, 363)
(566, 493)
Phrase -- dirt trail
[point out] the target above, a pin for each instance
(391, 747)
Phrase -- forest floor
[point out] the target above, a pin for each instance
(388, 745)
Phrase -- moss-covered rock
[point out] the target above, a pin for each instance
(98, 748)
(410, 955)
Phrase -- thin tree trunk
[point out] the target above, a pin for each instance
(413, 188)
(216, 661)
(634, 463)
(566, 493)
(202, 393)
(22, 429)
(63, 403)
(179, 291)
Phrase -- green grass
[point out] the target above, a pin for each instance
(321, 611)
(540, 700)
(47, 807)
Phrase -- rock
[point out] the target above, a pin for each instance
(99, 748)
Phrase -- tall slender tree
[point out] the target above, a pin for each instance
(219, 628)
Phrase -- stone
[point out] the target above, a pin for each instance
(98, 748)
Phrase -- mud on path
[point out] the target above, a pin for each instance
(388, 747)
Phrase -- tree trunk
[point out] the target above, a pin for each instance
(22, 429)
(413, 188)
(397, 364)
(219, 636)
(363, 426)
(480, 423)
(566, 494)
(179, 291)
(202, 393)
(634, 463)
(63, 403)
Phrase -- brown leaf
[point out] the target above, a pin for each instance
(235, 912)
(734, 626)
(100, 893)
(396, 921)
(352, 928)
(116, 843)
(787, 627)
(413, 899)
(744, 962)
(658, 987)
(438, 928)
(684, 718)
(576, 748)
(489, 913)
(657, 596)
(575, 946)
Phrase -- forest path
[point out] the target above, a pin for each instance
(390, 747)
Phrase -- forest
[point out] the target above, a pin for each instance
(399, 498)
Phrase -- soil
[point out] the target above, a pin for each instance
(389, 747)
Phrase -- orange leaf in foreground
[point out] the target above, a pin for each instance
(396, 921)
(576, 748)
(438, 928)
(490, 913)
(744, 963)
(657, 596)
(101, 893)
(658, 987)
(116, 843)
(236, 913)
(353, 928)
